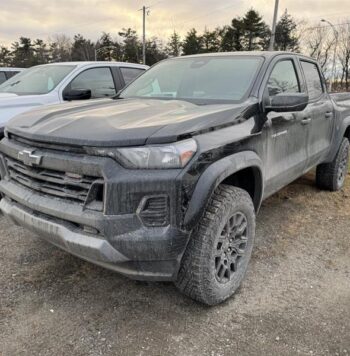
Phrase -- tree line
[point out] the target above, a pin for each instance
(249, 33)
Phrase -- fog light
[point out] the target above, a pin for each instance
(154, 210)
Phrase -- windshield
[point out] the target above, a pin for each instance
(197, 79)
(36, 80)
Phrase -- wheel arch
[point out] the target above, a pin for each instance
(243, 170)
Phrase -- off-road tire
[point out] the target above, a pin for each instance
(199, 272)
(331, 176)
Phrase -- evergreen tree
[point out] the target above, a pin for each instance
(193, 44)
(256, 32)
(107, 49)
(285, 39)
(154, 52)
(23, 53)
(131, 46)
(174, 45)
(232, 39)
(82, 49)
(211, 41)
(5, 57)
(41, 52)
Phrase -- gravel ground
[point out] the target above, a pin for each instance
(295, 299)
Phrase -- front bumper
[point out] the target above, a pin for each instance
(114, 237)
(89, 247)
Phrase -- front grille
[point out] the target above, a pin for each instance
(46, 145)
(50, 182)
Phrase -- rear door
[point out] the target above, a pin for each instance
(286, 132)
(319, 141)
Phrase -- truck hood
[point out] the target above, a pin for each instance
(125, 122)
(12, 105)
(10, 100)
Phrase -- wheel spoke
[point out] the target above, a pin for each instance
(230, 248)
(242, 227)
(222, 271)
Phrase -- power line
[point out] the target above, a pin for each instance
(156, 3)
(207, 14)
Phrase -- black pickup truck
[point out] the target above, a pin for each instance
(164, 182)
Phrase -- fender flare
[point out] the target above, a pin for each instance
(337, 138)
(215, 174)
(345, 125)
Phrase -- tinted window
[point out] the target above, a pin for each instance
(2, 77)
(129, 74)
(98, 80)
(313, 79)
(283, 79)
(36, 80)
(204, 79)
(11, 74)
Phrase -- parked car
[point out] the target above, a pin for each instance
(164, 182)
(8, 72)
(60, 82)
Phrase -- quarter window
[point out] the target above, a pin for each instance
(129, 74)
(11, 74)
(2, 77)
(313, 80)
(283, 79)
(98, 80)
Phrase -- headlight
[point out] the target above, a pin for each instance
(175, 155)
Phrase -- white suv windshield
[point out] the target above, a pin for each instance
(36, 80)
(203, 79)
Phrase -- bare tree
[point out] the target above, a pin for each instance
(344, 54)
(319, 42)
(61, 48)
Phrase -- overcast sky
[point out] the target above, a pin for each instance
(44, 18)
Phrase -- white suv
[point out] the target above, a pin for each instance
(8, 72)
(59, 82)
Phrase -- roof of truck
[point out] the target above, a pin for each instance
(265, 54)
(110, 63)
(10, 69)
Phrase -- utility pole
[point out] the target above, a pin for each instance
(273, 33)
(144, 35)
(336, 34)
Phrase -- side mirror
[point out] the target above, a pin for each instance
(77, 94)
(287, 102)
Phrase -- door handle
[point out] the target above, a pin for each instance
(306, 120)
(328, 115)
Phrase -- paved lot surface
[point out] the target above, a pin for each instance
(295, 299)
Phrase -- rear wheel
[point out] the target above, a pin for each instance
(331, 176)
(218, 253)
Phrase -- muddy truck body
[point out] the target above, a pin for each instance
(163, 182)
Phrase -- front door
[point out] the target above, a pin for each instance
(286, 132)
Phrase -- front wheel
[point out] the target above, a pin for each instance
(217, 256)
(331, 176)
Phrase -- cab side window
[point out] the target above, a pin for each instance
(283, 79)
(98, 80)
(313, 79)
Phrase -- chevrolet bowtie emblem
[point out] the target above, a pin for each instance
(28, 158)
